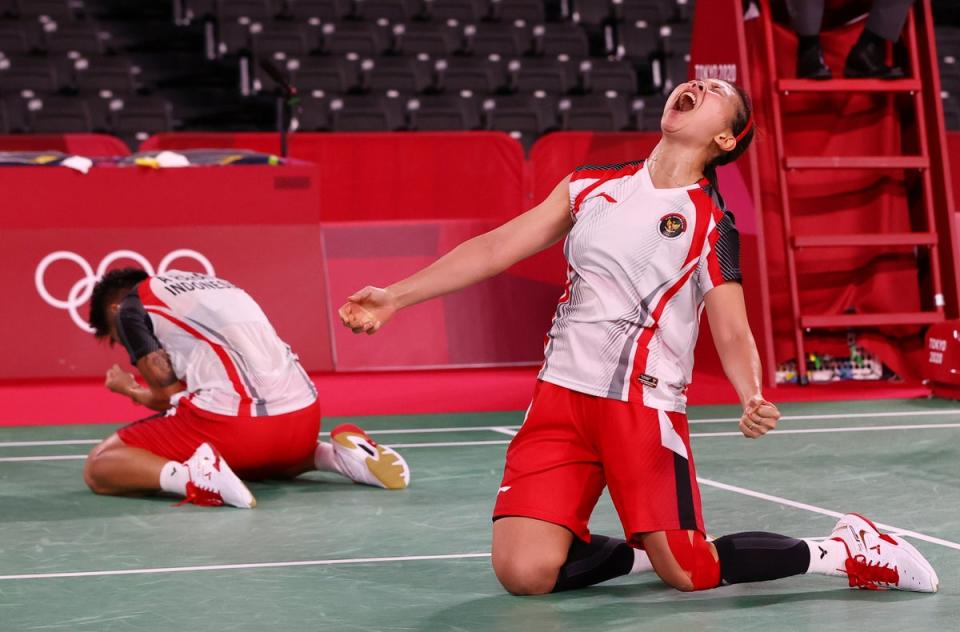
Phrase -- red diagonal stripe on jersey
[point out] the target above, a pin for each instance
(225, 358)
(604, 176)
(147, 295)
(563, 299)
(704, 211)
(713, 261)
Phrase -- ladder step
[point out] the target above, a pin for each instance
(877, 239)
(856, 162)
(869, 320)
(848, 85)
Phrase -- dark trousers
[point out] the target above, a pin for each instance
(886, 17)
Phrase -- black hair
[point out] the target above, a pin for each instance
(111, 287)
(741, 118)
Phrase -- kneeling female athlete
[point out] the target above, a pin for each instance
(648, 244)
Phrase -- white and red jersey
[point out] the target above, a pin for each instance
(220, 344)
(641, 260)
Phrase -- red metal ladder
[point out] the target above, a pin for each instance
(928, 238)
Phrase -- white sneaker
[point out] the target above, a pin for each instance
(880, 561)
(212, 482)
(361, 459)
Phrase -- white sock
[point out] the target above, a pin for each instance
(641, 562)
(827, 557)
(324, 459)
(174, 477)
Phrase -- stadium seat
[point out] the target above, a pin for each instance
(601, 75)
(532, 11)
(84, 38)
(368, 113)
(595, 18)
(323, 10)
(478, 75)
(59, 115)
(390, 10)
(444, 112)
(361, 38)
(313, 115)
(509, 40)
(245, 10)
(560, 39)
(280, 40)
(637, 41)
(134, 119)
(15, 114)
(234, 38)
(464, 11)
(20, 37)
(37, 74)
(61, 10)
(549, 75)
(653, 12)
(405, 75)
(606, 113)
(523, 117)
(676, 39)
(332, 75)
(94, 75)
(435, 40)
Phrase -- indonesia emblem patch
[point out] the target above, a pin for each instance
(672, 225)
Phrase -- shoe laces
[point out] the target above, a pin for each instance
(869, 575)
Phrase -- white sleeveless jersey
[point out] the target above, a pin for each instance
(640, 261)
(223, 347)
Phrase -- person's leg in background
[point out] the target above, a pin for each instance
(868, 56)
(806, 17)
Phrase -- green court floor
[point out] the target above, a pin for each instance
(320, 553)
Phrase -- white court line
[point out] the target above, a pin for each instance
(33, 444)
(230, 567)
(914, 413)
(447, 444)
(507, 430)
(819, 430)
(717, 420)
(54, 457)
(454, 444)
(820, 510)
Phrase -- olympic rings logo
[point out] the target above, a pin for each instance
(82, 289)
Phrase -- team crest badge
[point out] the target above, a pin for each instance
(672, 225)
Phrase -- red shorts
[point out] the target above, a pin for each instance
(254, 447)
(573, 444)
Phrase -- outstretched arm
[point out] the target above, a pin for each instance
(738, 353)
(156, 370)
(472, 261)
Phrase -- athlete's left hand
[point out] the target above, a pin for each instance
(759, 417)
(119, 381)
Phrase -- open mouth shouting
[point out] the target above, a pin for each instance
(686, 100)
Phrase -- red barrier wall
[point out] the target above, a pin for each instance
(394, 176)
(257, 226)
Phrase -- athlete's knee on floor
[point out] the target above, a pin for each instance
(90, 472)
(93, 463)
(684, 559)
(521, 575)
